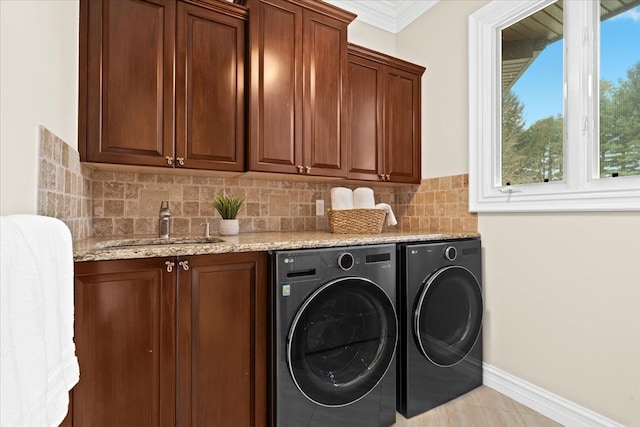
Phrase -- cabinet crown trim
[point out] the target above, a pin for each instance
(372, 55)
(326, 9)
(225, 7)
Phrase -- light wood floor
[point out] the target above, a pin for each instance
(482, 407)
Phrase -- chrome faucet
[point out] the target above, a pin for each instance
(207, 233)
(164, 223)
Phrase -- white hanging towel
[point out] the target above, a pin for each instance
(391, 218)
(363, 198)
(38, 365)
(341, 198)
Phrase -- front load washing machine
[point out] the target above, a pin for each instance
(334, 336)
(440, 314)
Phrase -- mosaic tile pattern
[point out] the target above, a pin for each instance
(437, 205)
(128, 202)
(104, 203)
(64, 185)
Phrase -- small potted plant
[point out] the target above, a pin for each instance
(228, 207)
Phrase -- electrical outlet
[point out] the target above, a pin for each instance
(319, 207)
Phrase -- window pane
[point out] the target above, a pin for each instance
(619, 88)
(532, 98)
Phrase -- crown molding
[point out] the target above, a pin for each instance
(388, 15)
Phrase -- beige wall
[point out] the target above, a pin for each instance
(374, 38)
(562, 290)
(38, 86)
(563, 305)
(438, 41)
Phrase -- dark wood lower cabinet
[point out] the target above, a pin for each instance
(222, 326)
(125, 343)
(185, 347)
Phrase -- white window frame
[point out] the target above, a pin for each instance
(582, 188)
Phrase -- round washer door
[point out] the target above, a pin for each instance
(342, 341)
(448, 315)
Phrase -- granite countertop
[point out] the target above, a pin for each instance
(109, 248)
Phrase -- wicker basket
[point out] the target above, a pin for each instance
(356, 221)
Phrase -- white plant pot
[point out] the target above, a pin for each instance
(229, 227)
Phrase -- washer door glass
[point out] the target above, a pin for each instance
(448, 315)
(342, 341)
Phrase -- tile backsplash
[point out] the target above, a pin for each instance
(102, 202)
(437, 205)
(128, 202)
(64, 184)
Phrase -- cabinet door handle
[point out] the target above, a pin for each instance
(308, 170)
(169, 160)
(184, 264)
(169, 265)
(180, 161)
(300, 168)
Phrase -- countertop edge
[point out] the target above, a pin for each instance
(89, 250)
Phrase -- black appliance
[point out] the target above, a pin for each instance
(440, 315)
(334, 337)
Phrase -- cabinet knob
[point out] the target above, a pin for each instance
(387, 178)
(184, 265)
(169, 265)
(381, 177)
(308, 170)
(169, 160)
(180, 161)
(300, 168)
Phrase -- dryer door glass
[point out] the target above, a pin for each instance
(342, 341)
(448, 315)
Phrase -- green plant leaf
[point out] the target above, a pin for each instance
(228, 205)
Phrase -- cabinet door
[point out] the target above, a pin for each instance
(125, 343)
(209, 89)
(402, 125)
(365, 112)
(222, 327)
(275, 124)
(129, 86)
(325, 64)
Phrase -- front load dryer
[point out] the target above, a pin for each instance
(334, 337)
(440, 314)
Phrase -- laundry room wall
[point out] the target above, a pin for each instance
(369, 36)
(38, 86)
(562, 290)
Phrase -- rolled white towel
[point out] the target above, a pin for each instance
(391, 218)
(341, 198)
(363, 198)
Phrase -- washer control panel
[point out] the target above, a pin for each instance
(346, 261)
(450, 253)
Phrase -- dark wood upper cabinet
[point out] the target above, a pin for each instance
(210, 89)
(384, 113)
(325, 64)
(185, 347)
(275, 115)
(131, 54)
(129, 81)
(366, 111)
(298, 65)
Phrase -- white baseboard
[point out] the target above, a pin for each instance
(557, 408)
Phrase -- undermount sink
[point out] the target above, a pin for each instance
(157, 241)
